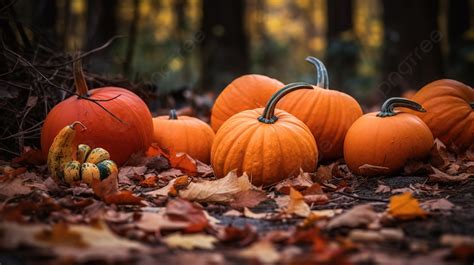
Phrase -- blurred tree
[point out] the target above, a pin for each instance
(224, 49)
(342, 51)
(44, 15)
(101, 25)
(132, 37)
(460, 46)
(412, 55)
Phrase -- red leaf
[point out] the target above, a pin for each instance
(182, 210)
(123, 197)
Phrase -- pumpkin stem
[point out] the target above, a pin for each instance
(76, 123)
(322, 78)
(268, 115)
(173, 115)
(388, 106)
(79, 80)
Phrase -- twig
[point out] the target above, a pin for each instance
(353, 196)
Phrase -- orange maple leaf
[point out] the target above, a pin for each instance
(405, 207)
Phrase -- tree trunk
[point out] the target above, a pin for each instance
(224, 49)
(412, 55)
(101, 25)
(44, 15)
(341, 54)
(459, 46)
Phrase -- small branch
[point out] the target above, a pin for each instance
(360, 197)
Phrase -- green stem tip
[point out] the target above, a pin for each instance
(389, 105)
(173, 115)
(322, 78)
(268, 115)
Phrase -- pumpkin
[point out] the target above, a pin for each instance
(184, 134)
(244, 93)
(266, 143)
(381, 143)
(327, 113)
(449, 112)
(129, 131)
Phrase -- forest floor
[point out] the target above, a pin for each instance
(168, 208)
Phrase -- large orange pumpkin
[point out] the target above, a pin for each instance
(449, 112)
(269, 145)
(244, 93)
(327, 113)
(184, 134)
(381, 143)
(129, 132)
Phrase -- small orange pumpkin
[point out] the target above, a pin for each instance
(387, 140)
(121, 138)
(244, 93)
(268, 144)
(184, 134)
(327, 113)
(449, 112)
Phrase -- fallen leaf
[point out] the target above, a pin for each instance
(248, 198)
(415, 167)
(149, 181)
(233, 213)
(30, 156)
(367, 169)
(404, 207)
(315, 195)
(437, 204)
(401, 190)
(241, 236)
(13, 186)
(158, 221)
(386, 234)
(184, 162)
(381, 188)
(105, 187)
(221, 190)
(439, 156)
(300, 182)
(360, 215)
(83, 243)
(297, 204)
(440, 176)
(128, 172)
(190, 241)
(262, 251)
(456, 240)
(182, 210)
(123, 197)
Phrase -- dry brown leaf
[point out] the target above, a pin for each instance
(124, 197)
(262, 251)
(248, 198)
(182, 210)
(297, 204)
(382, 189)
(401, 190)
(13, 186)
(128, 172)
(456, 240)
(439, 156)
(386, 234)
(221, 190)
(437, 204)
(171, 189)
(367, 169)
(92, 242)
(300, 182)
(105, 187)
(190, 241)
(404, 206)
(440, 176)
(360, 215)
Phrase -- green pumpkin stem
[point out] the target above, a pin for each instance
(389, 105)
(322, 78)
(268, 115)
(79, 79)
(173, 115)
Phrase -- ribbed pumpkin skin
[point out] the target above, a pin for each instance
(186, 134)
(121, 140)
(386, 142)
(327, 113)
(448, 113)
(268, 153)
(244, 93)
